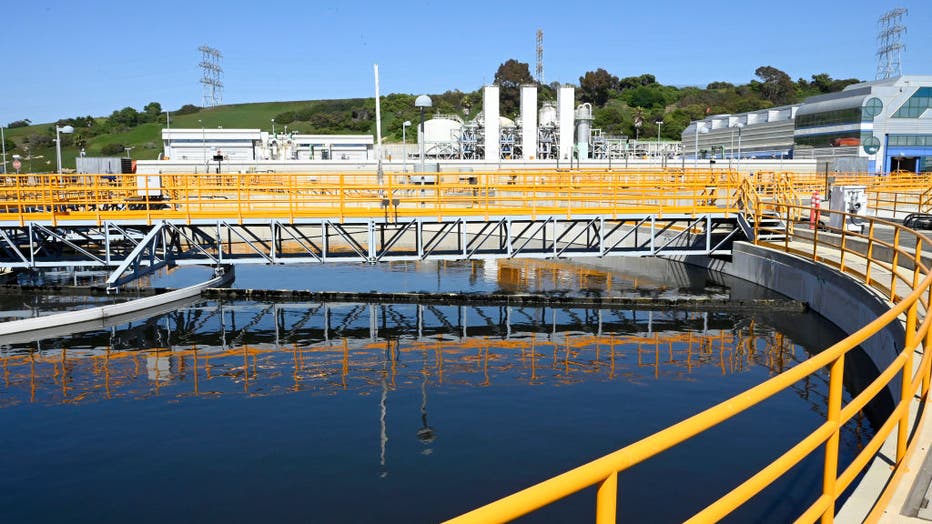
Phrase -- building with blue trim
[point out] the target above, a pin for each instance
(878, 126)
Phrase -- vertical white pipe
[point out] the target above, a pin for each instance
(529, 122)
(378, 117)
(566, 117)
(490, 111)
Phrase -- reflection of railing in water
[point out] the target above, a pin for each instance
(261, 360)
(528, 273)
(68, 376)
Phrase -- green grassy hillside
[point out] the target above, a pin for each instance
(36, 145)
(630, 106)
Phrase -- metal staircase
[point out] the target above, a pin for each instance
(768, 211)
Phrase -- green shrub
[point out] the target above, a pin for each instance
(112, 149)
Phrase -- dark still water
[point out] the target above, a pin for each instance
(309, 412)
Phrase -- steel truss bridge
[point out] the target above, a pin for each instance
(136, 224)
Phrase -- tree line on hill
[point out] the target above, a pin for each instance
(88, 127)
(628, 106)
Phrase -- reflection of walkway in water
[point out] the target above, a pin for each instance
(261, 349)
(267, 349)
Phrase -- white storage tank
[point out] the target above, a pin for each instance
(442, 130)
(547, 116)
(583, 129)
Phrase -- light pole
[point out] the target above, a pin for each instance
(700, 128)
(168, 119)
(422, 102)
(404, 145)
(273, 127)
(3, 145)
(58, 131)
(659, 123)
(738, 126)
(204, 145)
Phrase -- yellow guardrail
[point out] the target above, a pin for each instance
(897, 193)
(342, 196)
(910, 293)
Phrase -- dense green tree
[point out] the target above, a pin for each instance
(126, 117)
(9, 143)
(775, 85)
(38, 141)
(285, 118)
(613, 119)
(644, 96)
(152, 110)
(632, 82)
(596, 85)
(674, 123)
(510, 76)
(187, 109)
(824, 83)
(112, 149)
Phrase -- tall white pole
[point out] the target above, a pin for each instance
(739, 149)
(204, 147)
(3, 144)
(420, 144)
(696, 158)
(378, 122)
(404, 147)
(58, 148)
(731, 150)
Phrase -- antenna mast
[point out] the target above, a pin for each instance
(210, 77)
(889, 33)
(540, 56)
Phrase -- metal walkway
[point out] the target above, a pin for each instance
(139, 224)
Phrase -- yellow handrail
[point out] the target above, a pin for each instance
(913, 302)
(241, 196)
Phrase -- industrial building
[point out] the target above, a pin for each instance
(878, 126)
(544, 131)
(249, 145)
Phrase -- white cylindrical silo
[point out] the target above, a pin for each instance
(565, 100)
(583, 129)
(547, 116)
(490, 111)
(529, 121)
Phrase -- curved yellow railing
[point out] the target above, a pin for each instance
(910, 293)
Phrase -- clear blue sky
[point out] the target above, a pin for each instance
(67, 58)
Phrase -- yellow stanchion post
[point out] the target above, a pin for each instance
(830, 472)
(607, 500)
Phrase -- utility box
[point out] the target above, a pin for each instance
(848, 199)
(149, 185)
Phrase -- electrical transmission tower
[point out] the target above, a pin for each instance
(889, 33)
(540, 56)
(210, 78)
